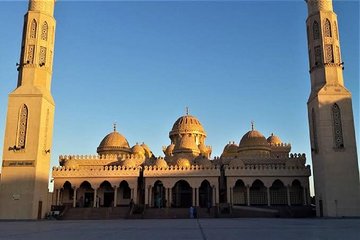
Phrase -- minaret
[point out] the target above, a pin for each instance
(332, 133)
(29, 125)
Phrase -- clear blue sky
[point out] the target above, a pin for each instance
(141, 63)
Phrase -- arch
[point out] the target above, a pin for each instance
(258, 193)
(33, 28)
(44, 31)
(182, 194)
(327, 28)
(337, 125)
(158, 194)
(296, 193)
(22, 126)
(106, 194)
(239, 193)
(316, 30)
(85, 195)
(67, 193)
(124, 193)
(278, 193)
(205, 194)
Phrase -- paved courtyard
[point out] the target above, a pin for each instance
(223, 229)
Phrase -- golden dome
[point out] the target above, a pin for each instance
(187, 124)
(186, 143)
(161, 163)
(129, 163)
(114, 143)
(274, 140)
(183, 162)
(137, 149)
(253, 138)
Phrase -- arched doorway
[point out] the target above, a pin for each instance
(86, 195)
(239, 193)
(258, 193)
(182, 194)
(278, 193)
(124, 193)
(106, 194)
(205, 194)
(158, 195)
(67, 194)
(296, 193)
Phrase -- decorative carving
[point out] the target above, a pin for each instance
(314, 132)
(42, 56)
(44, 31)
(318, 57)
(23, 121)
(338, 135)
(327, 28)
(33, 29)
(329, 56)
(316, 30)
(336, 31)
(30, 54)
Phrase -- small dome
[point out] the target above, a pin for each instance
(161, 163)
(183, 162)
(231, 147)
(274, 140)
(114, 143)
(187, 124)
(148, 152)
(71, 164)
(129, 163)
(253, 138)
(169, 150)
(137, 149)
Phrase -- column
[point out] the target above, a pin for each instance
(58, 197)
(166, 196)
(197, 197)
(268, 196)
(304, 197)
(232, 196)
(132, 194)
(115, 195)
(228, 195)
(288, 195)
(193, 197)
(95, 197)
(151, 199)
(74, 197)
(170, 197)
(213, 195)
(248, 194)
(146, 196)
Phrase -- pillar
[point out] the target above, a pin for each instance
(95, 197)
(248, 194)
(197, 197)
(170, 197)
(217, 189)
(58, 197)
(151, 199)
(132, 194)
(304, 196)
(288, 195)
(228, 195)
(115, 195)
(213, 195)
(166, 197)
(74, 198)
(193, 197)
(268, 196)
(146, 196)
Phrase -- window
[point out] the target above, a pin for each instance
(327, 28)
(338, 135)
(33, 29)
(22, 127)
(316, 31)
(44, 31)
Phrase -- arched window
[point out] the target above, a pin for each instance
(44, 31)
(33, 29)
(316, 31)
(23, 121)
(338, 135)
(327, 28)
(313, 132)
(329, 55)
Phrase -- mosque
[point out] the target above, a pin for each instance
(256, 172)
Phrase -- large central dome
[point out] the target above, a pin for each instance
(187, 124)
(114, 143)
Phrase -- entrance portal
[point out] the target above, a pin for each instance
(182, 194)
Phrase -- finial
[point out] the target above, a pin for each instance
(114, 126)
(187, 110)
(252, 125)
